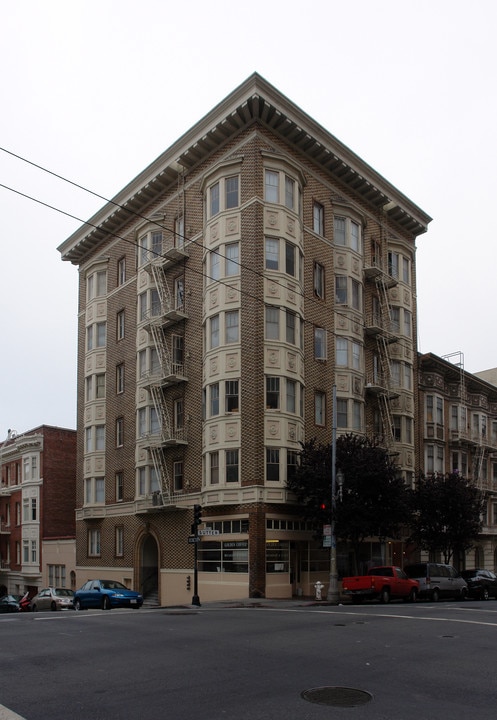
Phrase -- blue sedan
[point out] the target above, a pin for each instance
(106, 594)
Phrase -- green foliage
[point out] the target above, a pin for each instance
(447, 516)
(374, 501)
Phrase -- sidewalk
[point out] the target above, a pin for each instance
(265, 603)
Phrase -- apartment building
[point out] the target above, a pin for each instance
(37, 501)
(257, 263)
(458, 431)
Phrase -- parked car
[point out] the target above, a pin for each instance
(482, 584)
(106, 594)
(437, 580)
(380, 583)
(53, 599)
(8, 604)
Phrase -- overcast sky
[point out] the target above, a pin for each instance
(96, 90)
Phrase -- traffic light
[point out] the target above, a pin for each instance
(323, 506)
(197, 514)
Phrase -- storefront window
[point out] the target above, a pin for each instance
(277, 556)
(223, 556)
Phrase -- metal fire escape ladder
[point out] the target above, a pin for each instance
(478, 463)
(156, 446)
(384, 398)
(161, 346)
(162, 471)
(162, 286)
(383, 342)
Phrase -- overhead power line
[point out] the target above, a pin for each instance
(157, 224)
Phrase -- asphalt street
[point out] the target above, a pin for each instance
(253, 660)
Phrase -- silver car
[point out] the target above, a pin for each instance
(437, 580)
(53, 599)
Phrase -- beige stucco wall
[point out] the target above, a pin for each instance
(58, 552)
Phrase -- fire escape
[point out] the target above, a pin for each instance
(472, 434)
(170, 370)
(378, 327)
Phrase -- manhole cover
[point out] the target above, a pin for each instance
(337, 696)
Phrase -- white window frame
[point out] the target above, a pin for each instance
(342, 352)
(320, 343)
(272, 254)
(319, 277)
(119, 541)
(231, 326)
(119, 378)
(320, 408)
(318, 218)
(178, 475)
(94, 542)
(272, 318)
(119, 432)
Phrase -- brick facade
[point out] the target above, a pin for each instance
(235, 459)
(37, 501)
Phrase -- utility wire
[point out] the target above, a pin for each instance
(142, 217)
(160, 226)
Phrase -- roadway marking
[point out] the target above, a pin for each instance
(385, 615)
(6, 714)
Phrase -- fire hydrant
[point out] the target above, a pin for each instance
(318, 587)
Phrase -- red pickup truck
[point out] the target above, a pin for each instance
(381, 583)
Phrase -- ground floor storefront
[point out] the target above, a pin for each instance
(256, 552)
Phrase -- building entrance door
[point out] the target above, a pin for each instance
(149, 570)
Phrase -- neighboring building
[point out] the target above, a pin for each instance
(37, 501)
(223, 292)
(458, 431)
(489, 376)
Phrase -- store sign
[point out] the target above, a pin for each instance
(208, 531)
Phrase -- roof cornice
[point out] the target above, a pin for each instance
(254, 101)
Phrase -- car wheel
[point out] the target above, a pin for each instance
(435, 596)
(35, 609)
(484, 595)
(413, 596)
(53, 606)
(385, 596)
(464, 594)
(106, 603)
(77, 604)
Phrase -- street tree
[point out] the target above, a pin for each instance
(373, 502)
(447, 514)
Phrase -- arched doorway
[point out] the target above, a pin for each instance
(479, 561)
(149, 570)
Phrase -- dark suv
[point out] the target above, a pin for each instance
(481, 583)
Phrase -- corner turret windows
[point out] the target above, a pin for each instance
(347, 233)
(223, 195)
(282, 189)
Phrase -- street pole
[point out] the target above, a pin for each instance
(197, 519)
(333, 595)
(195, 598)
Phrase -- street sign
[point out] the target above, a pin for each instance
(193, 539)
(326, 540)
(326, 530)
